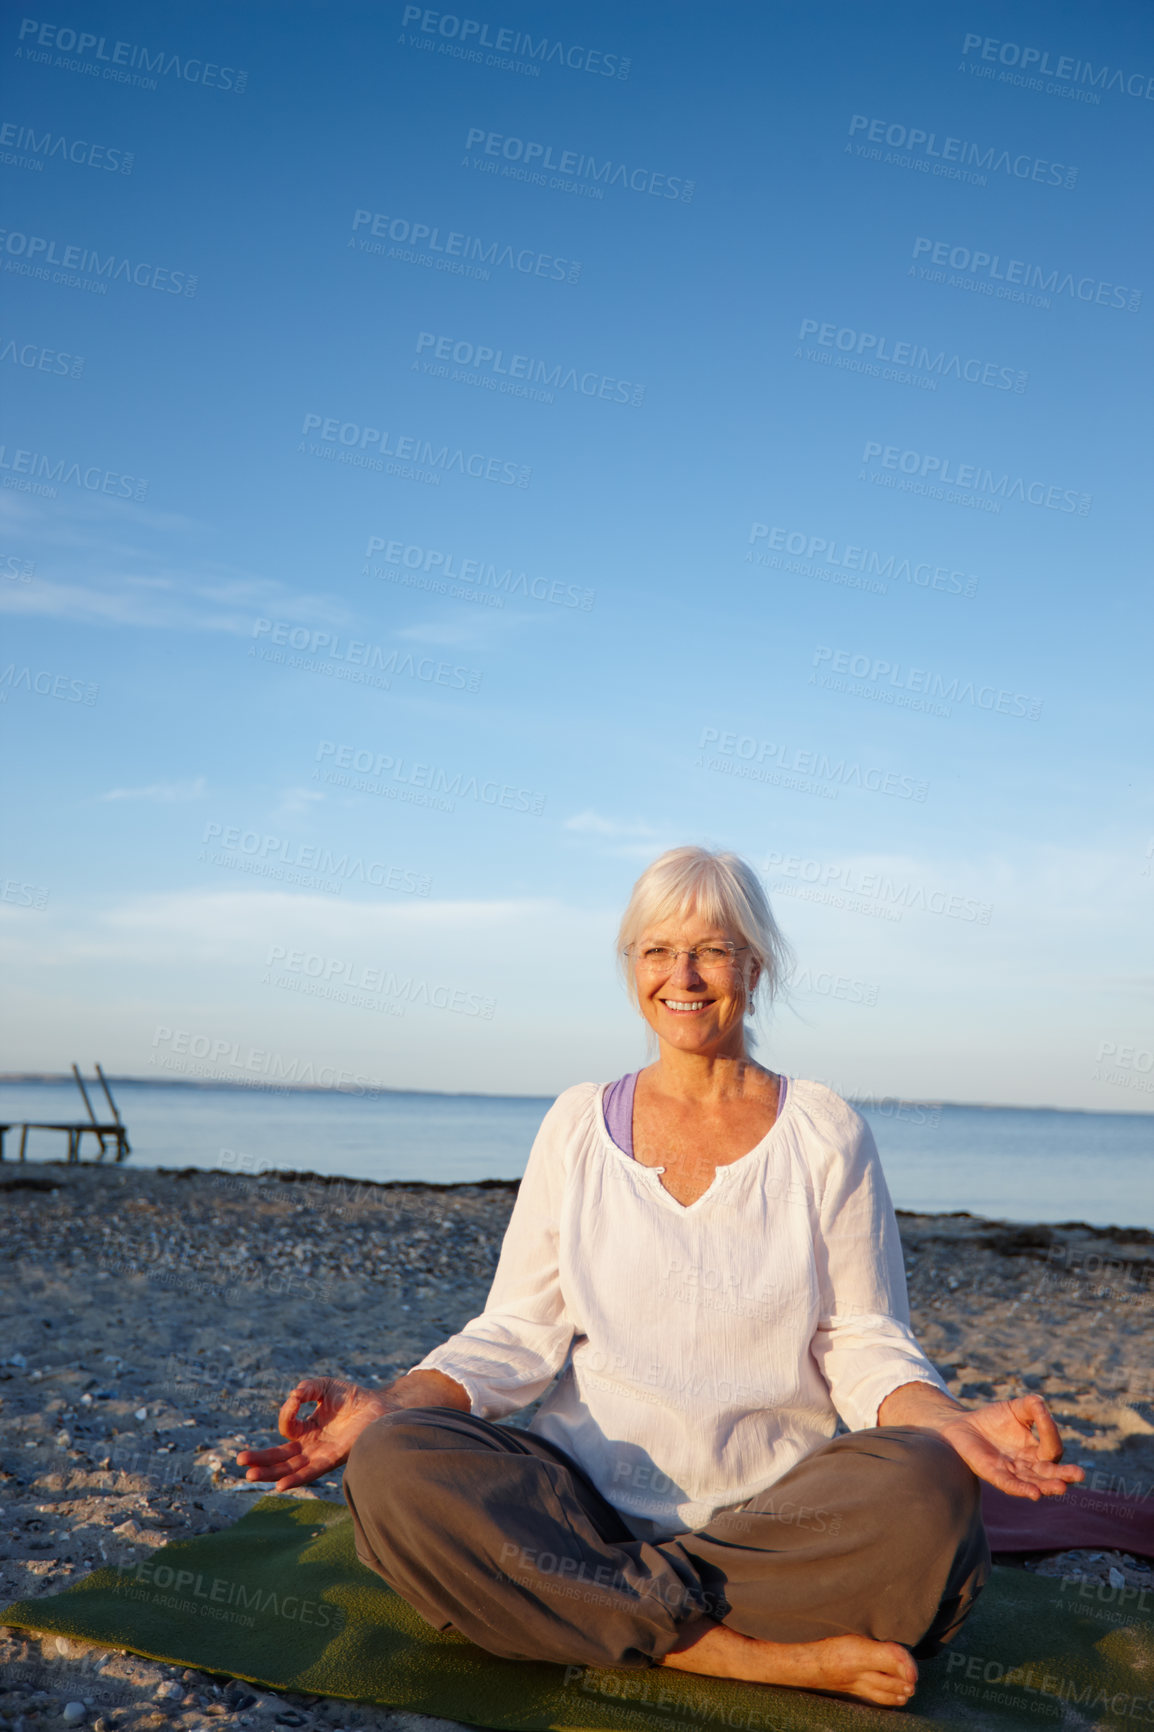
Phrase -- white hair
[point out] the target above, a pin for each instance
(720, 887)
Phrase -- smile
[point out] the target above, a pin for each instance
(685, 1006)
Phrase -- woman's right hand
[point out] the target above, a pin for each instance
(320, 1441)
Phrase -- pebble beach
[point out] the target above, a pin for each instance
(152, 1322)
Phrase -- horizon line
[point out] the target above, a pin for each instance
(260, 1087)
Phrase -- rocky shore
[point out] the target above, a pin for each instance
(153, 1321)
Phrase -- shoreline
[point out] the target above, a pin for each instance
(153, 1320)
(11, 1170)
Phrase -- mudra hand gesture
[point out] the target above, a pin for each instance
(1013, 1445)
(323, 1438)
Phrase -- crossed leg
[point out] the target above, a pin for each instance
(869, 1548)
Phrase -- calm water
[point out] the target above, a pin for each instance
(1013, 1164)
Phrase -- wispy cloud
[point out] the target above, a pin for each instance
(162, 793)
(450, 633)
(98, 563)
(616, 839)
(591, 823)
(186, 928)
(70, 522)
(209, 603)
(295, 801)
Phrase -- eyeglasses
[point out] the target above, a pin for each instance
(662, 958)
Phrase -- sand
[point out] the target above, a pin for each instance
(152, 1322)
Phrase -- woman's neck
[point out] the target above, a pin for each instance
(705, 1076)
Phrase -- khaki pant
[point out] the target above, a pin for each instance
(495, 1533)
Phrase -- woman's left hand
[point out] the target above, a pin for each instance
(1013, 1445)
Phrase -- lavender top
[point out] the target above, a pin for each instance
(617, 1105)
(618, 1108)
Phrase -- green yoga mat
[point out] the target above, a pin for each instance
(280, 1599)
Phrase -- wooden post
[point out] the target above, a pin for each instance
(122, 1147)
(91, 1114)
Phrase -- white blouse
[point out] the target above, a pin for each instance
(704, 1349)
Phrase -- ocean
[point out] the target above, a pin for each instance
(1007, 1163)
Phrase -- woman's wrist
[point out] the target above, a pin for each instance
(919, 1403)
(425, 1389)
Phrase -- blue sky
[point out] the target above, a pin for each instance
(828, 547)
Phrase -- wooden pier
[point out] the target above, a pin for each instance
(114, 1134)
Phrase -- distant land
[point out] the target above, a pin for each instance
(256, 1086)
(281, 1087)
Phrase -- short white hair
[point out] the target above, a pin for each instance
(720, 887)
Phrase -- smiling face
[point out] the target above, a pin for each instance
(692, 1008)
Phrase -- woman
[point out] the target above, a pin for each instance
(707, 1254)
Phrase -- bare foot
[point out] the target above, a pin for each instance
(881, 1672)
